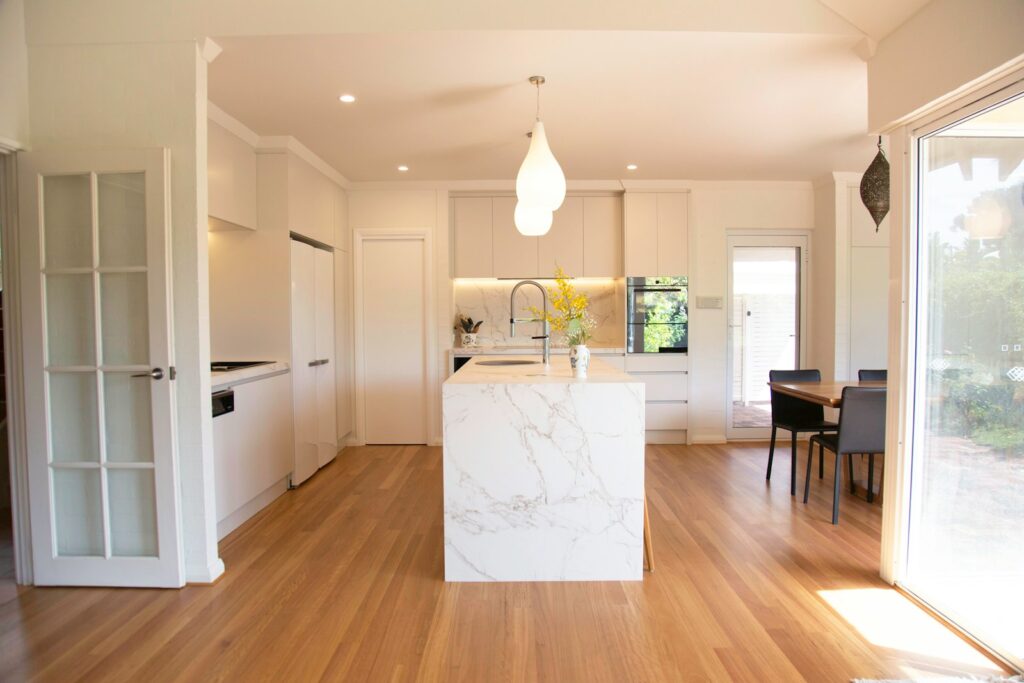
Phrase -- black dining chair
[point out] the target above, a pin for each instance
(796, 415)
(873, 375)
(861, 430)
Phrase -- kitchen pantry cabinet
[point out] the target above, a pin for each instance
(313, 359)
(311, 199)
(231, 174)
(656, 233)
(585, 239)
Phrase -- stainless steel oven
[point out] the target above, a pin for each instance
(656, 315)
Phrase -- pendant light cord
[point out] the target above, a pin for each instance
(538, 102)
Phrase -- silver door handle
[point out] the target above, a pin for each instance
(155, 373)
(316, 363)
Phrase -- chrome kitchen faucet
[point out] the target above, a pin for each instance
(547, 328)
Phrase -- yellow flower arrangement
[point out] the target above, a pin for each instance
(569, 314)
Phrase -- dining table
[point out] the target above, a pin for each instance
(828, 394)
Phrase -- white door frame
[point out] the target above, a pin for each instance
(762, 238)
(359, 238)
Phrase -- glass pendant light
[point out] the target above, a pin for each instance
(540, 183)
(532, 221)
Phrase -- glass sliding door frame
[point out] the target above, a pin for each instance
(904, 420)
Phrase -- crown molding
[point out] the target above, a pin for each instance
(273, 144)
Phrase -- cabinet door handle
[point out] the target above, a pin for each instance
(317, 363)
(314, 363)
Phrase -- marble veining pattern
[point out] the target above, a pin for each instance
(543, 481)
(489, 301)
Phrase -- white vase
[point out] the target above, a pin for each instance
(469, 340)
(579, 359)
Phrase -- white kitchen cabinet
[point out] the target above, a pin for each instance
(343, 341)
(514, 254)
(666, 393)
(252, 450)
(231, 180)
(656, 233)
(342, 230)
(602, 237)
(313, 380)
(311, 200)
(563, 243)
(473, 237)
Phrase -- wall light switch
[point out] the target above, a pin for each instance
(709, 302)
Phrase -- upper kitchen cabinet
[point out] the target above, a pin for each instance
(514, 254)
(656, 233)
(602, 237)
(342, 231)
(472, 237)
(563, 244)
(231, 171)
(311, 202)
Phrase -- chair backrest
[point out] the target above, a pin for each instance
(862, 420)
(873, 375)
(790, 410)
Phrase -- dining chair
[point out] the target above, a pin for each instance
(873, 375)
(796, 415)
(861, 430)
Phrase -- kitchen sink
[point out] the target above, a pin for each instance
(510, 361)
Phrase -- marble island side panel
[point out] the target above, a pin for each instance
(544, 481)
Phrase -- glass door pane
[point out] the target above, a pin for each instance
(965, 553)
(99, 391)
(764, 324)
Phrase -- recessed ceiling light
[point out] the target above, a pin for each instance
(403, 168)
(631, 167)
(347, 99)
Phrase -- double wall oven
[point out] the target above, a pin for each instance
(656, 315)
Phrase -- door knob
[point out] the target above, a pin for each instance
(155, 373)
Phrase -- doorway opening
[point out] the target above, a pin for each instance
(766, 284)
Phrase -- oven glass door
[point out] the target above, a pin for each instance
(656, 315)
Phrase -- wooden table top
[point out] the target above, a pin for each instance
(828, 394)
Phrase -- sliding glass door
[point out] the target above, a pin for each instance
(965, 541)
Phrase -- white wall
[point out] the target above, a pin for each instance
(151, 95)
(715, 209)
(391, 209)
(14, 129)
(821, 348)
(942, 48)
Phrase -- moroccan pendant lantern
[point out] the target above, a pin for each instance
(874, 186)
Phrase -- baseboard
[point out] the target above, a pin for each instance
(704, 439)
(244, 513)
(665, 436)
(205, 575)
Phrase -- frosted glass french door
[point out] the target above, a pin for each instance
(98, 390)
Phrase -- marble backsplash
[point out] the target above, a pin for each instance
(488, 300)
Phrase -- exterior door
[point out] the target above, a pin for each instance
(99, 395)
(767, 279)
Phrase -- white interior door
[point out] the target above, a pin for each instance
(767, 281)
(95, 301)
(391, 273)
(326, 399)
(304, 361)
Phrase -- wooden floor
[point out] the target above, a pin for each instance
(342, 580)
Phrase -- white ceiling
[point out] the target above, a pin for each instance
(875, 18)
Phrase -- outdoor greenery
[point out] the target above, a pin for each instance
(980, 300)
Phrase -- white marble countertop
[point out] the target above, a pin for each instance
(520, 350)
(225, 379)
(559, 372)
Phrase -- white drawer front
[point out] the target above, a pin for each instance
(657, 362)
(669, 415)
(664, 386)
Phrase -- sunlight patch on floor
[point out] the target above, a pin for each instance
(887, 619)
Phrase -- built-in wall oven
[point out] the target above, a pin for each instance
(656, 315)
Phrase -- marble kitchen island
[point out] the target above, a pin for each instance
(543, 473)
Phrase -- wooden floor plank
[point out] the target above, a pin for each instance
(342, 579)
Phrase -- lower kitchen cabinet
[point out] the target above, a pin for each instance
(252, 450)
(666, 392)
